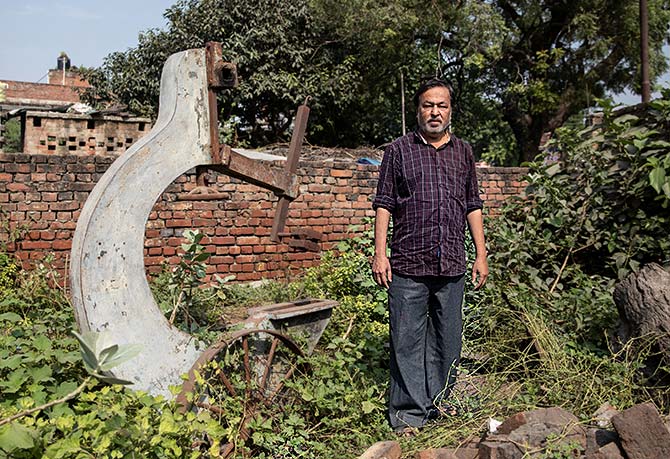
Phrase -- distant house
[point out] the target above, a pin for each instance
(62, 88)
(50, 125)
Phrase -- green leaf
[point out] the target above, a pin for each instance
(11, 363)
(553, 169)
(42, 343)
(87, 344)
(368, 407)
(657, 179)
(201, 257)
(122, 354)
(16, 436)
(39, 374)
(111, 379)
(105, 354)
(10, 317)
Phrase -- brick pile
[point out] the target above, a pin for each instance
(41, 197)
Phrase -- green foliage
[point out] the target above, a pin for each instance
(48, 363)
(8, 272)
(100, 355)
(12, 136)
(519, 71)
(572, 58)
(537, 335)
(585, 221)
(190, 272)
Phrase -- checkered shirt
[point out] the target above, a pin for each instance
(428, 192)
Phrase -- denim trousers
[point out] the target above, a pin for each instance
(426, 326)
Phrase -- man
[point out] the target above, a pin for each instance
(428, 184)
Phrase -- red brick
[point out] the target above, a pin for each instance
(61, 244)
(64, 205)
(18, 187)
(341, 173)
(177, 223)
(247, 240)
(32, 245)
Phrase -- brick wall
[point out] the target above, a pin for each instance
(41, 197)
(24, 93)
(69, 133)
(67, 78)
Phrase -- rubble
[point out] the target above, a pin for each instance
(636, 433)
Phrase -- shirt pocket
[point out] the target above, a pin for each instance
(411, 179)
(457, 177)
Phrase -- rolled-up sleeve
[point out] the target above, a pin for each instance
(473, 200)
(386, 193)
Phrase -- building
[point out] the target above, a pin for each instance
(64, 87)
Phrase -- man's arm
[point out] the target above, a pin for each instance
(480, 268)
(381, 267)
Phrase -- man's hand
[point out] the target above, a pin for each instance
(480, 271)
(381, 269)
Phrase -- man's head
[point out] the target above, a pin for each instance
(433, 107)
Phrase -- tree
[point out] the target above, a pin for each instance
(520, 68)
(272, 42)
(558, 56)
(348, 55)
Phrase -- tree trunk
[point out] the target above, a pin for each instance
(643, 301)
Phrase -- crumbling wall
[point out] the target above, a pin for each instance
(41, 197)
(69, 133)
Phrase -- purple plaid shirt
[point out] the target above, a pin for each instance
(429, 192)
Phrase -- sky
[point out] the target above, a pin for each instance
(33, 33)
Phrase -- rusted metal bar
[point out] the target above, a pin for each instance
(304, 244)
(303, 233)
(257, 173)
(220, 75)
(281, 211)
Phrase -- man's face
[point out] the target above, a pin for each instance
(434, 112)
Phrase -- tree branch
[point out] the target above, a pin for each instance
(69, 396)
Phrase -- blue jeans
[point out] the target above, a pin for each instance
(426, 327)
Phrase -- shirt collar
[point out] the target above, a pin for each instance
(425, 142)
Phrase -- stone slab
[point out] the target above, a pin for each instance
(383, 450)
(642, 432)
(433, 453)
(609, 451)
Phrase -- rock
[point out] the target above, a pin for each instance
(383, 450)
(468, 452)
(609, 451)
(526, 434)
(643, 301)
(604, 414)
(554, 416)
(597, 438)
(642, 432)
(440, 453)
(499, 448)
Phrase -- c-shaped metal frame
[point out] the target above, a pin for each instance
(109, 286)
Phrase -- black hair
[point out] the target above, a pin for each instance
(430, 84)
